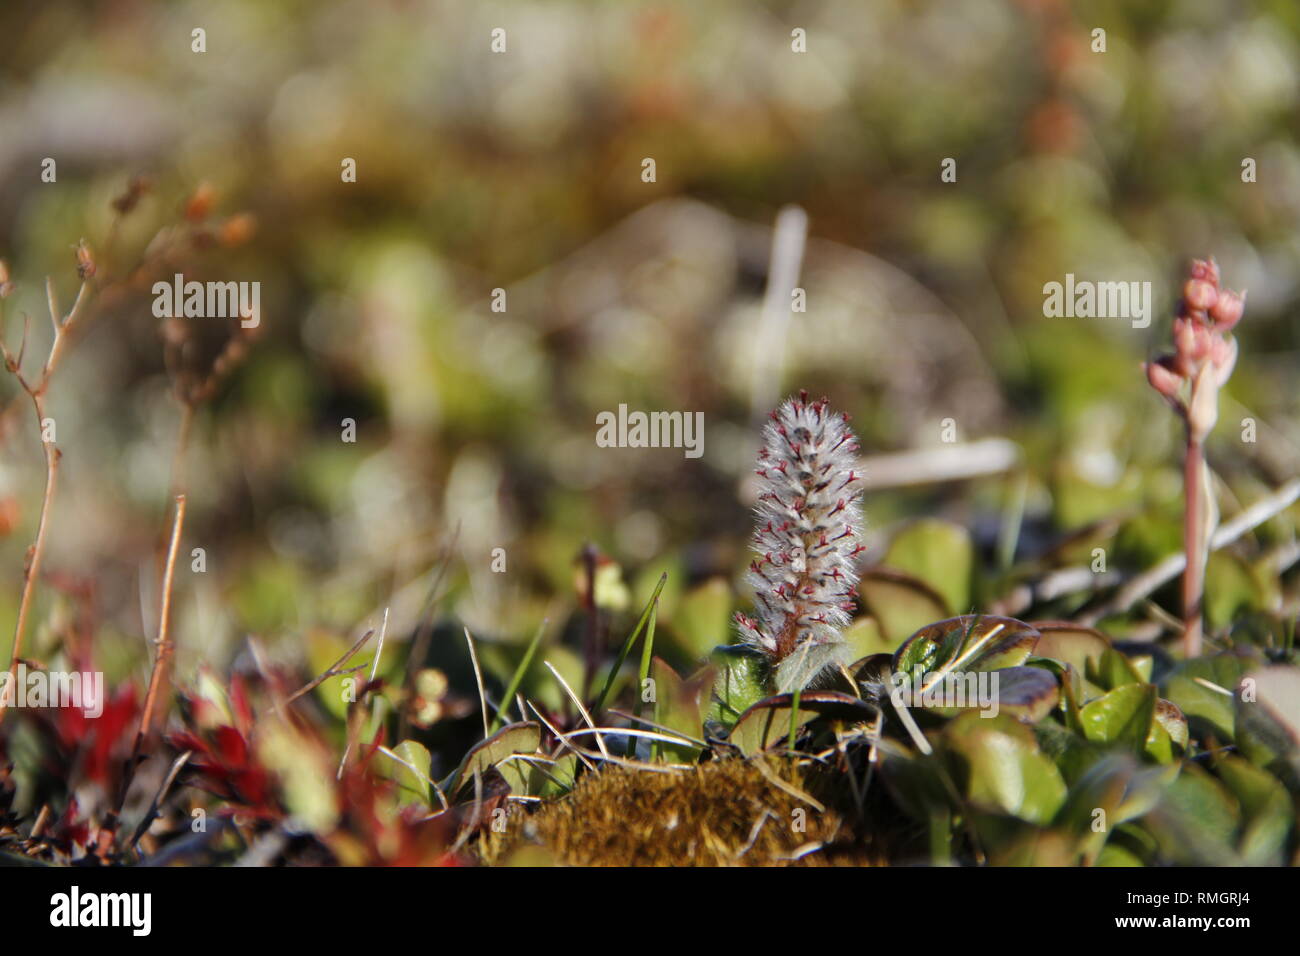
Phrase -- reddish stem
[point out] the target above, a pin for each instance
(1194, 544)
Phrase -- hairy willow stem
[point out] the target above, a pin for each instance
(36, 392)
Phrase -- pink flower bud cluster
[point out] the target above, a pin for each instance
(806, 536)
(1203, 356)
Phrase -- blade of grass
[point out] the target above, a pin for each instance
(478, 677)
(518, 676)
(627, 645)
(1013, 515)
(420, 646)
(647, 654)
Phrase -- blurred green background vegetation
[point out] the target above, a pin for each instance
(522, 171)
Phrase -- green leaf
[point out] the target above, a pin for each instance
(742, 681)
(1072, 753)
(967, 643)
(1113, 669)
(704, 617)
(1122, 716)
(1266, 810)
(937, 553)
(1201, 704)
(1268, 717)
(1172, 720)
(413, 785)
(1070, 643)
(1115, 855)
(1005, 771)
(537, 776)
(899, 602)
(520, 738)
(767, 723)
(517, 678)
(599, 706)
(864, 638)
(304, 774)
(1196, 821)
(1232, 587)
(681, 705)
(1028, 693)
(1113, 790)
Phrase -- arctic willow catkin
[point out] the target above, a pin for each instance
(806, 541)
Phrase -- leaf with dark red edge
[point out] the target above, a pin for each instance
(767, 723)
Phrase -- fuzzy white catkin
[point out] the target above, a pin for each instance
(805, 540)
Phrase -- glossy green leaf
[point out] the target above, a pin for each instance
(1122, 716)
(967, 643)
(1113, 669)
(742, 681)
(937, 553)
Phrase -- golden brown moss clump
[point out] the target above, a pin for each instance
(722, 813)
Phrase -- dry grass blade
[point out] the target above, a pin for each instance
(478, 678)
(628, 731)
(555, 732)
(786, 786)
(600, 742)
(334, 670)
(657, 726)
(159, 797)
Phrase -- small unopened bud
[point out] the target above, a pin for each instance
(1163, 378)
(1206, 270)
(1200, 294)
(8, 515)
(1184, 345)
(85, 261)
(200, 204)
(237, 229)
(6, 286)
(135, 189)
(1228, 309)
(1223, 357)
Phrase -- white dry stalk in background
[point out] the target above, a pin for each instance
(788, 239)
